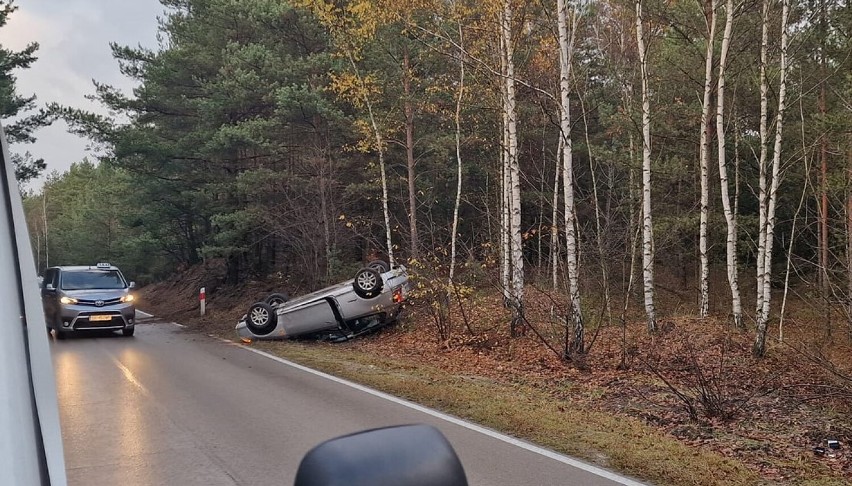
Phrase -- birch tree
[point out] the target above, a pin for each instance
(647, 223)
(704, 278)
(511, 170)
(574, 345)
(457, 120)
(730, 216)
(760, 339)
(764, 115)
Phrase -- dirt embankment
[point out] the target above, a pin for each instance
(177, 298)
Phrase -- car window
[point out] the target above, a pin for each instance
(95, 279)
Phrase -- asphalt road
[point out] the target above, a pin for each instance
(168, 407)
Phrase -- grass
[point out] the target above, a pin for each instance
(623, 444)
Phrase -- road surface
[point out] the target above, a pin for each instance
(169, 407)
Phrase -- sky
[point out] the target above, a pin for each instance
(74, 38)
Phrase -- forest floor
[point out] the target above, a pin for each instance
(687, 405)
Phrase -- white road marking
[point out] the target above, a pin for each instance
(143, 314)
(457, 421)
(179, 325)
(434, 413)
(128, 375)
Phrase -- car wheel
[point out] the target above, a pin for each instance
(60, 335)
(380, 266)
(368, 283)
(128, 331)
(276, 299)
(261, 318)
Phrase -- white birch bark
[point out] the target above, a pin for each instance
(514, 179)
(730, 217)
(760, 338)
(574, 345)
(704, 157)
(764, 136)
(505, 245)
(647, 223)
(459, 97)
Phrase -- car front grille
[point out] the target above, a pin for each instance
(98, 303)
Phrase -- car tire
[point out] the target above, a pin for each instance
(380, 266)
(276, 299)
(60, 335)
(128, 331)
(367, 283)
(261, 318)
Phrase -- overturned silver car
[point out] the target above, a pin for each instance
(372, 299)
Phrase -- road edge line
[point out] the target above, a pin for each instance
(454, 420)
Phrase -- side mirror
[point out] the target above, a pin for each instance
(49, 287)
(132, 285)
(407, 455)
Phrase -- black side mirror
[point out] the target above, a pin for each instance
(407, 455)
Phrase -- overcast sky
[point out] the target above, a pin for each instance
(74, 37)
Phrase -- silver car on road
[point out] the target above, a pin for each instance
(372, 299)
(93, 297)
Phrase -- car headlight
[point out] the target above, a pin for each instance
(67, 300)
(127, 298)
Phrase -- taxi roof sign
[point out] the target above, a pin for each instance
(103, 265)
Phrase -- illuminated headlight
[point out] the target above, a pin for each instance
(127, 298)
(67, 300)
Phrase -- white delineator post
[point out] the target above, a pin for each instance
(202, 298)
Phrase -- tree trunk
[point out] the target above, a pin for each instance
(704, 273)
(823, 162)
(730, 216)
(764, 137)
(575, 345)
(409, 155)
(554, 227)
(647, 223)
(459, 98)
(514, 179)
(760, 339)
(505, 208)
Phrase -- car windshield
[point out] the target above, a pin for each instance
(92, 279)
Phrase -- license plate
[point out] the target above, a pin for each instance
(100, 318)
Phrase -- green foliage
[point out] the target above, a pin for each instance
(83, 216)
(16, 110)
